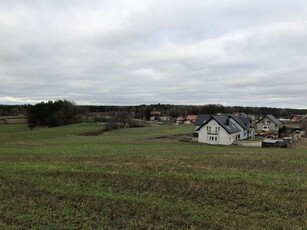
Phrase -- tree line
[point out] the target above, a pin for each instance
(143, 111)
(63, 112)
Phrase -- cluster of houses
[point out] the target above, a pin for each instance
(157, 116)
(298, 118)
(227, 129)
(190, 119)
(223, 129)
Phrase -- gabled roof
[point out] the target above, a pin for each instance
(155, 113)
(241, 121)
(272, 118)
(247, 120)
(191, 118)
(201, 119)
(223, 121)
(304, 117)
(299, 117)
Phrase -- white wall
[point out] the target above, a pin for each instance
(266, 122)
(223, 137)
(252, 133)
(243, 132)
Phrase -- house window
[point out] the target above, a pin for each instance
(209, 129)
(269, 122)
(217, 129)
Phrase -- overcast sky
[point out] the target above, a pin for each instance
(235, 52)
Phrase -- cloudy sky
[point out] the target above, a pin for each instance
(231, 52)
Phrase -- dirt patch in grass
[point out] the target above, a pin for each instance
(299, 144)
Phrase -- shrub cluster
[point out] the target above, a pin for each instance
(52, 113)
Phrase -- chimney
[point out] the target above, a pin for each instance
(227, 121)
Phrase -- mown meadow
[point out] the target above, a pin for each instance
(145, 178)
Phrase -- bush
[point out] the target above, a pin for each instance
(52, 114)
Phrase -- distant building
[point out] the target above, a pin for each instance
(276, 143)
(251, 116)
(190, 119)
(298, 118)
(154, 115)
(165, 118)
(268, 124)
(180, 120)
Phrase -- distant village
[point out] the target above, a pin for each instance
(213, 124)
(240, 128)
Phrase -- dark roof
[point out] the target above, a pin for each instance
(272, 118)
(222, 120)
(242, 121)
(246, 120)
(275, 120)
(272, 141)
(201, 119)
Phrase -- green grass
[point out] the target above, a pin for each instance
(5, 128)
(145, 178)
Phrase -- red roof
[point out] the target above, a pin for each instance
(180, 119)
(155, 113)
(191, 118)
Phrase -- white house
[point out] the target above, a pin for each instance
(218, 130)
(268, 123)
(245, 126)
(243, 134)
(201, 119)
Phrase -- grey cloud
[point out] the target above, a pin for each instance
(127, 52)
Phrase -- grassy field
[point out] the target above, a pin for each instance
(57, 178)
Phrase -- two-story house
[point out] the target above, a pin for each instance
(269, 124)
(218, 130)
(245, 126)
